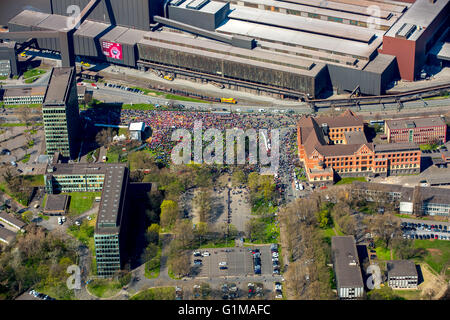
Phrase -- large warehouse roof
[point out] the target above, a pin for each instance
(302, 39)
(339, 6)
(29, 18)
(300, 23)
(211, 47)
(227, 55)
(92, 29)
(292, 8)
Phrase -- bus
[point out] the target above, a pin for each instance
(228, 100)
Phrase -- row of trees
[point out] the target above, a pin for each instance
(308, 277)
(37, 259)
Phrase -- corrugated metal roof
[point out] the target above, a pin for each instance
(318, 26)
(222, 48)
(315, 10)
(422, 13)
(29, 18)
(303, 39)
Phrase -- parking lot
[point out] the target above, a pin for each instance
(237, 262)
(415, 229)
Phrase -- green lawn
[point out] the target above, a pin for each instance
(438, 253)
(161, 293)
(383, 253)
(35, 180)
(152, 267)
(182, 98)
(104, 288)
(16, 106)
(81, 201)
(349, 180)
(33, 73)
(26, 158)
(44, 201)
(7, 125)
(408, 294)
(433, 146)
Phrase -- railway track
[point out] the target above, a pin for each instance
(397, 98)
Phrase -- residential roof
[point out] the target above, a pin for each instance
(12, 220)
(6, 235)
(401, 268)
(22, 92)
(407, 123)
(56, 203)
(59, 86)
(346, 262)
(312, 136)
(395, 147)
(355, 137)
(346, 119)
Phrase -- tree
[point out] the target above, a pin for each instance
(184, 232)
(201, 231)
(238, 177)
(104, 137)
(386, 227)
(405, 249)
(24, 115)
(255, 229)
(150, 252)
(152, 233)
(384, 293)
(169, 213)
(180, 263)
(203, 202)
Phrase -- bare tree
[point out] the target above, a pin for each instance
(104, 137)
(24, 115)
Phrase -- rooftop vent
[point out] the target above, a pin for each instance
(405, 31)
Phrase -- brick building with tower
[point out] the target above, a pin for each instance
(332, 147)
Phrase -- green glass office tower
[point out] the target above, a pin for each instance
(61, 115)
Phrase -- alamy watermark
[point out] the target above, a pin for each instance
(74, 281)
(374, 280)
(263, 151)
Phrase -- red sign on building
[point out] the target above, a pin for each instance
(112, 50)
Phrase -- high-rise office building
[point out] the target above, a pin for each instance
(61, 115)
(110, 232)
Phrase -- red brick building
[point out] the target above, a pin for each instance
(420, 130)
(337, 146)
